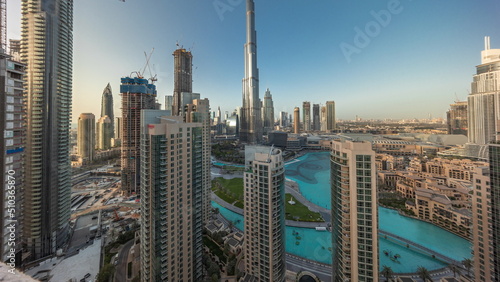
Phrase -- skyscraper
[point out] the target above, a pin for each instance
(494, 249)
(481, 218)
(171, 234)
(316, 126)
(118, 127)
(86, 137)
(322, 117)
(12, 146)
(484, 99)
(306, 115)
(198, 110)
(354, 212)
(330, 116)
(251, 119)
(169, 101)
(284, 120)
(264, 245)
(47, 50)
(104, 133)
(183, 77)
(296, 120)
(268, 112)
(457, 118)
(107, 102)
(137, 95)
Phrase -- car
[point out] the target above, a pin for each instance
(94, 217)
(86, 275)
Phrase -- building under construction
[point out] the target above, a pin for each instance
(457, 118)
(183, 77)
(137, 94)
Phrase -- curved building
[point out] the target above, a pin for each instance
(86, 137)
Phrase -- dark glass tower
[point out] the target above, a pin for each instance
(183, 77)
(46, 49)
(107, 105)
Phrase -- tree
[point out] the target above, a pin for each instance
(387, 272)
(231, 265)
(423, 273)
(106, 272)
(455, 269)
(467, 264)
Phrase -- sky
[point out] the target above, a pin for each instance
(376, 59)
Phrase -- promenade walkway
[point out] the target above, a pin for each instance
(421, 248)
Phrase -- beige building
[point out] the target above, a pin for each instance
(437, 208)
(200, 112)
(296, 120)
(264, 212)
(354, 212)
(481, 234)
(171, 208)
(86, 137)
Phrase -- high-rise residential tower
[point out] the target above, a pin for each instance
(494, 249)
(481, 218)
(86, 137)
(322, 117)
(169, 102)
(315, 124)
(183, 77)
(306, 115)
(296, 120)
(484, 99)
(268, 112)
(354, 212)
(264, 245)
(12, 147)
(104, 132)
(47, 50)
(137, 94)
(198, 110)
(330, 116)
(250, 118)
(171, 229)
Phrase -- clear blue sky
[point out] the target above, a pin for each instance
(412, 66)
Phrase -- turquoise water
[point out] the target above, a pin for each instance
(312, 173)
(222, 164)
(315, 245)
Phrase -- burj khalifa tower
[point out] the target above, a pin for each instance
(251, 119)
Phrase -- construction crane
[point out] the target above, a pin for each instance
(140, 73)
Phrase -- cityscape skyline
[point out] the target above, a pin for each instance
(333, 77)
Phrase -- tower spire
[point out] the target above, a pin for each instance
(251, 120)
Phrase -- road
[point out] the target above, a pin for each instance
(121, 266)
(297, 264)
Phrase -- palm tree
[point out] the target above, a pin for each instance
(423, 273)
(387, 272)
(455, 269)
(467, 264)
